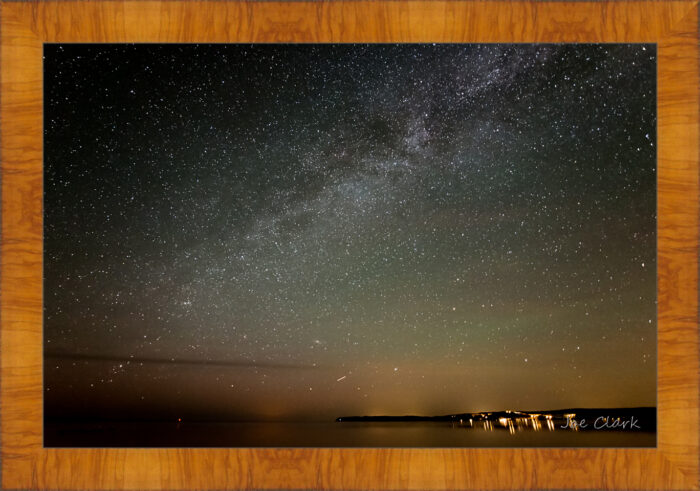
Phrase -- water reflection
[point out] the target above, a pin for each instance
(515, 421)
(494, 430)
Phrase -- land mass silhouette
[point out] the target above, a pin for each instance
(615, 419)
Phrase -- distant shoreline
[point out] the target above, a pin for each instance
(629, 419)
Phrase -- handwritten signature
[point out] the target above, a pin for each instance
(603, 423)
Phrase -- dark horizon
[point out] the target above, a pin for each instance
(571, 427)
(95, 419)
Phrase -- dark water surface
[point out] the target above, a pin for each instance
(361, 434)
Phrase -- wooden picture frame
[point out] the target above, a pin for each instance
(26, 26)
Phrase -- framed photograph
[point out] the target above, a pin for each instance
(280, 245)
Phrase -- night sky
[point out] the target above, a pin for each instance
(301, 232)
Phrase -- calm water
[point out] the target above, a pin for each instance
(414, 434)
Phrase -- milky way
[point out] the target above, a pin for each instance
(308, 231)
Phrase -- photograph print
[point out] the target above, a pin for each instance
(349, 245)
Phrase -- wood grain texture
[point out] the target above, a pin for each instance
(25, 26)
